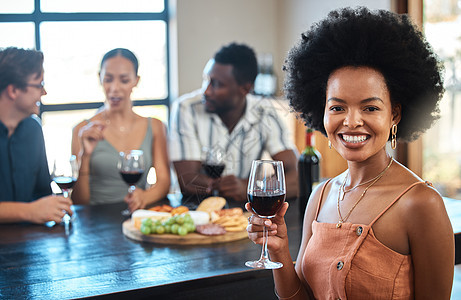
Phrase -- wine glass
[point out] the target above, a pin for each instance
(131, 167)
(213, 163)
(64, 174)
(266, 194)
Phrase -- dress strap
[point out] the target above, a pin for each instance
(320, 198)
(397, 198)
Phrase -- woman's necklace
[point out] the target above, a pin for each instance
(343, 191)
(341, 219)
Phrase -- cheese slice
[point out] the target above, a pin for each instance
(199, 217)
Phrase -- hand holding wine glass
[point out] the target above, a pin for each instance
(131, 167)
(65, 174)
(266, 194)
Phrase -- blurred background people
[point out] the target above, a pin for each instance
(24, 176)
(117, 128)
(225, 117)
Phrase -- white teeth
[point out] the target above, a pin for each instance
(354, 138)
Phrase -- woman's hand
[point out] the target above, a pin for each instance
(136, 200)
(277, 229)
(89, 136)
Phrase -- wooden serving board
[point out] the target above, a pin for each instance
(173, 239)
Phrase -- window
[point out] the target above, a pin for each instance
(442, 144)
(74, 35)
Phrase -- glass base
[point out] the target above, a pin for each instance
(126, 212)
(263, 264)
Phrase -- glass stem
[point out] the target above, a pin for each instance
(131, 189)
(264, 255)
(65, 193)
(127, 212)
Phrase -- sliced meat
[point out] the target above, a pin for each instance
(210, 229)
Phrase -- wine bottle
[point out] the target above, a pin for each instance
(308, 171)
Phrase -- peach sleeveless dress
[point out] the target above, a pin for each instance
(350, 263)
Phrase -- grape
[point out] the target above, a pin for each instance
(189, 226)
(180, 220)
(145, 229)
(147, 222)
(178, 224)
(174, 228)
(182, 230)
(188, 219)
(160, 229)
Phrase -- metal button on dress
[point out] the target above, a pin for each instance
(340, 265)
(359, 231)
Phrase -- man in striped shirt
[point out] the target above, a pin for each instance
(224, 115)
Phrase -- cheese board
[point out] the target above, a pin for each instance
(173, 239)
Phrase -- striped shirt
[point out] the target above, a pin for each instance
(260, 131)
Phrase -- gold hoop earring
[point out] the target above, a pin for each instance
(394, 136)
(329, 144)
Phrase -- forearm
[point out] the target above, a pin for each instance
(194, 183)
(11, 212)
(286, 280)
(158, 191)
(81, 191)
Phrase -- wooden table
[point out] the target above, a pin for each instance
(96, 260)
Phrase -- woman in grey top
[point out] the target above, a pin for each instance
(98, 141)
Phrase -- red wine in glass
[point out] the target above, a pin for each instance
(213, 163)
(64, 174)
(65, 182)
(131, 167)
(266, 205)
(131, 177)
(266, 194)
(213, 171)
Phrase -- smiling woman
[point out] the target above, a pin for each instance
(358, 112)
(364, 78)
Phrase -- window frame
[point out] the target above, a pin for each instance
(37, 17)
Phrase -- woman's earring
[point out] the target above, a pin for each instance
(329, 144)
(394, 136)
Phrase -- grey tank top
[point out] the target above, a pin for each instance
(106, 184)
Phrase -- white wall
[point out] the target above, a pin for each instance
(201, 27)
(296, 16)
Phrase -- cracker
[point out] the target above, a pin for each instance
(236, 228)
(236, 211)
